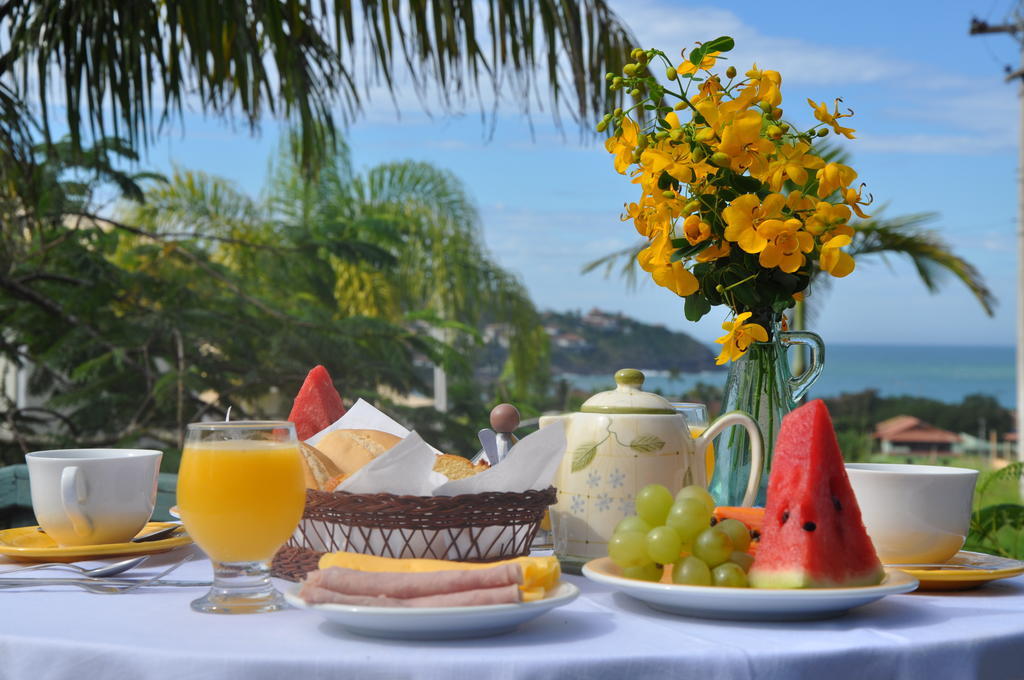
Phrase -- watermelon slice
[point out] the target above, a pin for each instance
(317, 404)
(812, 535)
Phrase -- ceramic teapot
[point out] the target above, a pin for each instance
(619, 442)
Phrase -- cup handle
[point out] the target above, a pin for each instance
(72, 489)
(756, 448)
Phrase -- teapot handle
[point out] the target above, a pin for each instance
(756, 448)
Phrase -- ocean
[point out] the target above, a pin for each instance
(943, 373)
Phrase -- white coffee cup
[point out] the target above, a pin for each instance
(914, 514)
(93, 496)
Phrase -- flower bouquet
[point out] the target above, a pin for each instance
(740, 209)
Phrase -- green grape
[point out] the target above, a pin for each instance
(730, 575)
(738, 532)
(699, 492)
(632, 523)
(713, 546)
(689, 517)
(652, 504)
(691, 571)
(629, 549)
(663, 545)
(648, 572)
(744, 559)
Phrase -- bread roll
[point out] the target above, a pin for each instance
(317, 469)
(457, 467)
(350, 450)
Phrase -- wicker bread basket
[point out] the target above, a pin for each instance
(479, 527)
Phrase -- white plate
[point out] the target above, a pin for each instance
(748, 604)
(435, 623)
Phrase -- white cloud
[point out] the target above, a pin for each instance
(801, 62)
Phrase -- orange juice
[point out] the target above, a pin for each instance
(240, 500)
(709, 454)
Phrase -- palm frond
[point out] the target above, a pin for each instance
(627, 268)
(128, 68)
(928, 252)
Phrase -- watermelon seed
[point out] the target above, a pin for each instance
(785, 516)
(810, 526)
(837, 504)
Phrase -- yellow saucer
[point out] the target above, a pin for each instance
(961, 579)
(28, 544)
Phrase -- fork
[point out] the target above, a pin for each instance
(106, 587)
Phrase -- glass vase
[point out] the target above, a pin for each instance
(761, 383)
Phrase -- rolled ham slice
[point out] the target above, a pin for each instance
(404, 585)
(464, 598)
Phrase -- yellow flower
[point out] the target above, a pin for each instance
(797, 201)
(834, 261)
(767, 85)
(696, 230)
(622, 146)
(666, 156)
(822, 114)
(852, 198)
(656, 259)
(742, 141)
(834, 176)
(827, 216)
(706, 64)
(785, 244)
(744, 214)
(792, 162)
(738, 339)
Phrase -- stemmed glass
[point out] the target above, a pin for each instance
(240, 495)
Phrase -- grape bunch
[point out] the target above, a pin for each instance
(678, 531)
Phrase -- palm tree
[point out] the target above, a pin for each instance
(441, 272)
(131, 67)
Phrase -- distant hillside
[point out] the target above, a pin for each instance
(601, 342)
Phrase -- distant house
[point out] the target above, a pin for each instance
(907, 434)
(571, 341)
(597, 318)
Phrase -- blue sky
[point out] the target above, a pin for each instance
(937, 131)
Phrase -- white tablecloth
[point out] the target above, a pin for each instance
(153, 635)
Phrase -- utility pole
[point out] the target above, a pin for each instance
(1016, 31)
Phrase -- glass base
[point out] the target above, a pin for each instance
(240, 588)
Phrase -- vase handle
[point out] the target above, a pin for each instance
(799, 384)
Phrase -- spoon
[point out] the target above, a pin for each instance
(97, 572)
(157, 535)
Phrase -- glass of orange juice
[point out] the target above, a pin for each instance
(696, 415)
(240, 495)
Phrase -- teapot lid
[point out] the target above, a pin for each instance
(627, 397)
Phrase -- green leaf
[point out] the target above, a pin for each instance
(685, 249)
(696, 306)
(648, 443)
(583, 456)
(722, 44)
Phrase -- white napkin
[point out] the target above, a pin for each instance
(404, 469)
(530, 464)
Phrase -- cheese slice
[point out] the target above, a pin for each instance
(540, 574)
